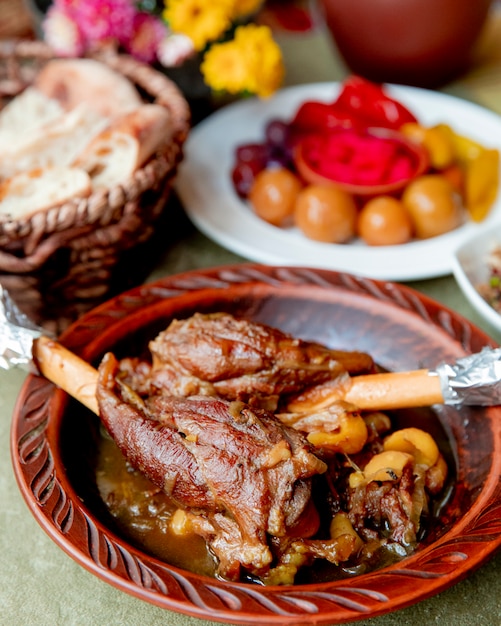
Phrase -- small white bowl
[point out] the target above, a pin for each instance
(471, 268)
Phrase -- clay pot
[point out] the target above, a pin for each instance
(423, 43)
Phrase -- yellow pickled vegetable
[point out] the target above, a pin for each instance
(465, 149)
(480, 167)
(481, 184)
(436, 139)
(414, 131)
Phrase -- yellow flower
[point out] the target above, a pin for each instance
(202, 21)
(263, 59)
(224, 69)
(251, 63)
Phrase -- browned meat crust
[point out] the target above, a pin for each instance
(242, 472)
(217, 354)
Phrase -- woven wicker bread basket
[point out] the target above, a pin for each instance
(59, 263)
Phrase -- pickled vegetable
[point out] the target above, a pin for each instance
(481, 184)
(433, 204)
(406, 180)
(326, 213)
(362, 162)
(480, 167)
(273, 194)
(436, 139)
(384, 221)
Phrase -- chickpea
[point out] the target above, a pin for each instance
(341, 526)
(350, 437)
(180, 523)
(436, 476)
(414, 441)
(387, 465)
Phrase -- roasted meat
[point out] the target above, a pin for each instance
(242, 473)
(390, 509)
(220, 355)
(203, 422)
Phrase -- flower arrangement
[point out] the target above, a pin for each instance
(237, 56)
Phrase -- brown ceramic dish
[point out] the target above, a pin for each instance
(52, 437)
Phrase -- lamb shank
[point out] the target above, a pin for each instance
(201, 421)
(220, 355)
(241, 473)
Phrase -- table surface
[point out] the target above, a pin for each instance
(41, 585)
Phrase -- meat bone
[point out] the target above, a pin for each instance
(368, 392)
(473, 380)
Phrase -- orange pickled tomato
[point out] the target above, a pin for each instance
(384, 221)
(273, 194)
(433, 204)
(326, 213)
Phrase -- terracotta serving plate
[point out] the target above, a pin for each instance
(52, 438)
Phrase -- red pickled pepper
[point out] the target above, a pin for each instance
(357, 157)
(354, 156)
(360, 104)
(320, 116)
(370, 100)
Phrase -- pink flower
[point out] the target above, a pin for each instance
(101, 20)
(61, 32)
(147, 33)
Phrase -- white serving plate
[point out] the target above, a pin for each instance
(206, 190)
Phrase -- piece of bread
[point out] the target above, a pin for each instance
(85, 128)
(109, 160)
(73, 81)
(56, 143)
(150, 124)
(125, 145)
(26, 113)
(39, 190)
